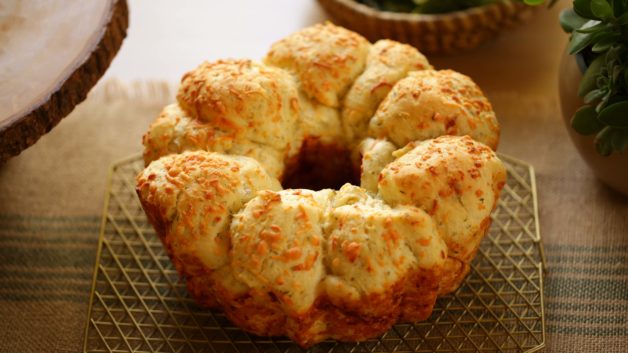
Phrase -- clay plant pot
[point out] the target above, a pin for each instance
(612, 170)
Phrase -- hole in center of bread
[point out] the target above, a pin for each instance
(320, 165)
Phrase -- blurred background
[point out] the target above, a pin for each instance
(165, 41)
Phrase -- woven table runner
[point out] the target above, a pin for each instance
(51, 199)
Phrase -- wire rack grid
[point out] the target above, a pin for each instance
(139, 304)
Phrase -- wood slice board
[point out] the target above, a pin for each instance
(51, 54)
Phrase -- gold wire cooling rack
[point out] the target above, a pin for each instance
(139, 304)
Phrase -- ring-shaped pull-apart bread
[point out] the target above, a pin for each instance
(344, 264)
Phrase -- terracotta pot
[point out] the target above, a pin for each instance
(612, 170)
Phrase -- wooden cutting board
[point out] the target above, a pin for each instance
(52, 52)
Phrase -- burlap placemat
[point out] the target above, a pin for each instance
(51, 200)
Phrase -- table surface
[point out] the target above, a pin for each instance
(51, 195)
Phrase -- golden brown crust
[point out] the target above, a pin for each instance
(420, 293)
(350, 322)
(255, 311)
(201, 289)
(261, 313)
(454, 273)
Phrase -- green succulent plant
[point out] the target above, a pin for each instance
(433, 6)
(599, 35)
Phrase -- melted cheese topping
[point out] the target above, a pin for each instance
(388, 62)
(430, 103)
(324, 58)
(194, 195)
(277, 245)
(454, 179)
(371, 246)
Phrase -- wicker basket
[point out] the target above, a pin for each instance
(432, 34)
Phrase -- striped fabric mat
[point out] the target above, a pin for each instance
(47, 258)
